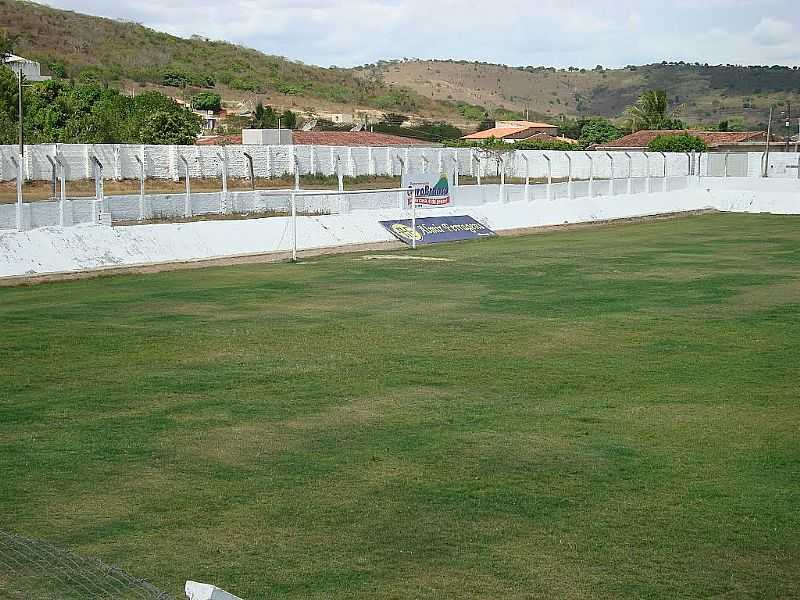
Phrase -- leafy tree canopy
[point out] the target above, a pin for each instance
(207, 101)
(677, 143)
(60, 111)
(650, 112)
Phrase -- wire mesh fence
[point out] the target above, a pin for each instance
(33, 569)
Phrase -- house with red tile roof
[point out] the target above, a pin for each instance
(718, 141)
(512, 131)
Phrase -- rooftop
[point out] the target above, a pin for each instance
(640, 139)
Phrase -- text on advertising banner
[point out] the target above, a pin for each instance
(431, 230)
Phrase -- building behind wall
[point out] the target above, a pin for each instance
(717, 141)
(31, 70)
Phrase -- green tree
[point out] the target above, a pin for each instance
(7, 43)
(677, 143)
(264, 117)
(58, 69)
(597, 130)
(649, 112)
(288, 119)
(163, 127)
(8, 106)
(207, 101)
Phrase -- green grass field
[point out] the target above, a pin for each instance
(596, 413)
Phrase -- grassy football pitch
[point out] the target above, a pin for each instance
(597, 413)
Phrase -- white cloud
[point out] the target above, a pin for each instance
(519, 32)
(772, 32)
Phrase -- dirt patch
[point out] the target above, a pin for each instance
(403, 257)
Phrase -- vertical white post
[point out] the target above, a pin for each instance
(549, 176)
(223, 199)
(142, 179)
(455, 170)
(311, 160)
(690, 162)
(117, 164)
(501, 164)
(296, 163)
(413, 218)
(478, 160)
(630, 173)
(664, 174)
(62, 196)
(424, 163)
(527, 177)
(339, 174)
(569, 179)
(725, 172)
(19, 167)
(294, 227)
(647, 163)
(251, 171)
(611, 183)
(187, 203)
(591, 173)
(370, 163)
(350, 166)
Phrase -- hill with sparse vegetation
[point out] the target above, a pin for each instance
(128, 55)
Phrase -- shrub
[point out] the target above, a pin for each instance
(677, 143)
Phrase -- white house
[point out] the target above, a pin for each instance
(31, 70)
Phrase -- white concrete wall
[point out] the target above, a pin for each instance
(69, 249)
(163, 162)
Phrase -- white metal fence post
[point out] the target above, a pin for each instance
(591, 173)
(647, 164)
(62, 192)
(294, 227)
(501, 165)
(141, 187)
(250, 170)
(611, 181)
(296, 162)
(527, 177)
(19, 167)
(339, 174)
(478, 160)
(97, 172)
(455, 170)
(630, 173)
(549, 176)
(664, 179)
(725, 168)
(569, 178)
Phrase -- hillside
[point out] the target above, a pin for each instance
(124, 53)
(698, 93)
(131, 56)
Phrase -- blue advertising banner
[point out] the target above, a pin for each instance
(431, 230)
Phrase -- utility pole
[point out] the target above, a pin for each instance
(21, 131)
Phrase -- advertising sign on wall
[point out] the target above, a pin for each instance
(431, 230)
(431, 189)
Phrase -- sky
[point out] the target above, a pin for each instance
(561, 33)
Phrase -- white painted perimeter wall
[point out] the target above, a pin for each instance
(78, 248)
